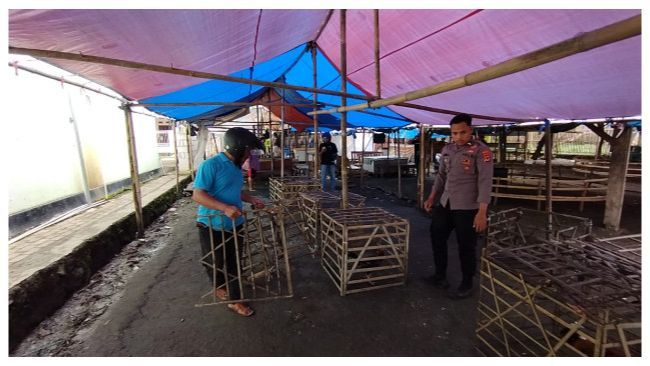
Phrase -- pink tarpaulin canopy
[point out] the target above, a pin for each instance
(418, 48)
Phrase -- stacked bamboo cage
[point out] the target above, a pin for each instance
(313, 202)
(262, 270)
(364, 248)
(564, 296)
(285, 192)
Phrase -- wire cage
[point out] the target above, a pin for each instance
(569, 295)
(262, 270)
(364, 248)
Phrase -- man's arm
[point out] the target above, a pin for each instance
(203, 198)
(485, 167)
(256, 202)
(438, 185)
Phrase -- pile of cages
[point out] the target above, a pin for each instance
(284, 192)
(261, 270)
(313, 202)
(364, 248)
(521, 224)
(563, 296)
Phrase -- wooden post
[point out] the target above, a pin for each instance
(344, 116)
(190, 158)
(271, 136)
(615, 32)
(399, 168)
(363, 153)
(502, 145)
(620, 157)
(133, 165)
(282, 137)
(377, 65)
(421, 169)
(178, 189)
(315, 95)
(549, 176)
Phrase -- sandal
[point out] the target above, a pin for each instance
(241, 309)
(221, 294)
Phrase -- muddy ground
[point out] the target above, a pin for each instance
(142, 303)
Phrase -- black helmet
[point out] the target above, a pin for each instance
(236, 140)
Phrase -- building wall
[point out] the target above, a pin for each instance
(43, 159)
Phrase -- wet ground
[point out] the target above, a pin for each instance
(142, 303)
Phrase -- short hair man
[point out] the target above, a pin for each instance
(459, 199)
(328, 154)
(218, 191)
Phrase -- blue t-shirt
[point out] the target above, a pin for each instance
(222, 180)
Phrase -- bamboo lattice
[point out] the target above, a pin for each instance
(364, 248)
(313, 202)
(263, 269)
(567, 296)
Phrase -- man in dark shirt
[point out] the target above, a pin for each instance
(459, 198)
(328, 154)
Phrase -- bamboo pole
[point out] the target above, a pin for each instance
(203, 75)
(421, 169)
(133, 165)
(399, 167)
(178, 189)
(282, 137)
(603, 36)
(228, 104)
(190, 158)
(377, 62)
(549, 176)
(344, 116)
(315, 117)
(271, 136)
(363, 153)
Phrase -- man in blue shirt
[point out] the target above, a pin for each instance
(218, 191)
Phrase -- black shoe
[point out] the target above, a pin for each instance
(462, 292)
(438, 281)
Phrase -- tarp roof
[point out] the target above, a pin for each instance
(418, 48)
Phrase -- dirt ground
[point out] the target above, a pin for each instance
(142, 303)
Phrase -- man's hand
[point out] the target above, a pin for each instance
(232, 212)
(428, 204)
(480, 221)
(257, 203)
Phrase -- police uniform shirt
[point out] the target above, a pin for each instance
(465, 175)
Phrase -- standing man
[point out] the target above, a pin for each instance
(328, 154)
(218, 191)
(459, 199)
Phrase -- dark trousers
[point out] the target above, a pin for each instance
(230, 256)
(444, 220)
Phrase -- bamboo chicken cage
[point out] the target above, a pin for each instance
(364, 248)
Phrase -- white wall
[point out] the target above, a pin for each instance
(42, 153)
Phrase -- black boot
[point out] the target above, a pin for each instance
(463, 291)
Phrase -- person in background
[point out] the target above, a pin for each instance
(459, 199)
(328, 153)
(251, 166)
(218, 191)
(277, 145)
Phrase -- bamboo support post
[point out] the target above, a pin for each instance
(421, 169)
(282, 137)
(271, 137)
(399, 168)
(133, 165)
(377, 61)
(363, 154)
(174, 125)
(612, 33)
(344, 116)
(315, 117)
(549, 175)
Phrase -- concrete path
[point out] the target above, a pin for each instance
(36, 251)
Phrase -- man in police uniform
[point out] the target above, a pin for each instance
(459, 199)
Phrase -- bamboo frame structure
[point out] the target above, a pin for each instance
(344, 115)
(311, 205)
(572, 295)
(263, 271)
(612, 33)
(133, 168)
(364, 248)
